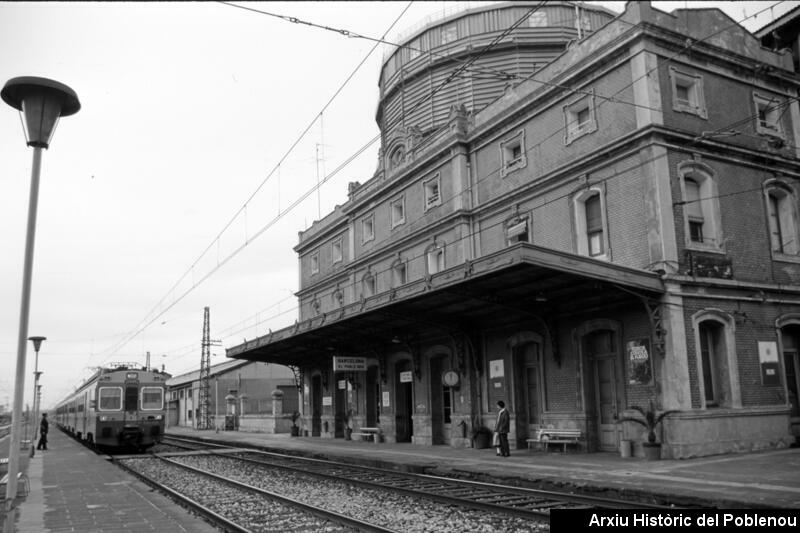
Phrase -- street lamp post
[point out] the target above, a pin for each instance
(41, 103)
(37, 344)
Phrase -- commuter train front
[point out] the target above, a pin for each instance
(117, 408)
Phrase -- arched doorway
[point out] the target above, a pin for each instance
(441, 402)
(528, 389)
(603, 391)
(316, 406)
(404, 401)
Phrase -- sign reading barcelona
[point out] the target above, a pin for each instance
(349, 364)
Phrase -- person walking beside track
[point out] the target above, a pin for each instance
(502, 427)
(43, 427)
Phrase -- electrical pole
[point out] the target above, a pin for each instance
(204, 419)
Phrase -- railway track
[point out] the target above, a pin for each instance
(532, 505)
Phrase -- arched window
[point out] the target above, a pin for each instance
(590, 224)
(701, 214)
(782, 219)
(368, 284)
(717, 370)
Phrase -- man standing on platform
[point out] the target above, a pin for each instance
(43, 427)
(502, 427)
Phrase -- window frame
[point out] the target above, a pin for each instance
(141, 398)
(706, 180)
(399, 263)
(510, 163)
(435, 253)
(426, 198)
(724, 366)
(393, 204)
(696, 103)
(100, 398)
(369, 281)
(785, 217)
(337, 256)
(582, 240)
(513, 225)
(314, 263)
(573, 129)
(368, 220)
(760, 101)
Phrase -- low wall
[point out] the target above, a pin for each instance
(717, 431)
(265, 423)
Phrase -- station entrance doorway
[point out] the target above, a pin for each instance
(404, 401)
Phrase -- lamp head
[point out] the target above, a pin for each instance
(37, 342)
(41, 103)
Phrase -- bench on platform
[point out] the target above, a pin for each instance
(547, 436)
(368, 434)
(23, 486)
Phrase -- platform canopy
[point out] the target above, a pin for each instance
(520, 282)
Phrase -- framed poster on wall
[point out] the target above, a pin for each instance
(640, 367)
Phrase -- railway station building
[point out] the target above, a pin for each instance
(575, 212)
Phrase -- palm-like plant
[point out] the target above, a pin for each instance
(650, 419)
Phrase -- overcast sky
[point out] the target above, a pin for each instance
(170, 190)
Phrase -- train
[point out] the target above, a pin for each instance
(119, 407)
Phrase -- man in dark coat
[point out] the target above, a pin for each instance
(43, 427)
(502, 427)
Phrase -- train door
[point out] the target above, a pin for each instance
(404, 403)
(528, 390)
(316, 406)
(373, 397)
(600, 348)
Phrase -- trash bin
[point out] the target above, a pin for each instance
(625, 449)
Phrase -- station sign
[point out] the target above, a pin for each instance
(349, 364)
(405, 377)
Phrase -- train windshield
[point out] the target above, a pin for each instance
(110, 398)
(152, 398)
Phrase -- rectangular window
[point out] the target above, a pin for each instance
(579, 118)
(336, 250)
(435, 260)
(687, 93)
(152, 398)
(708, 344)
(512, 151)
(594, 226)
(368, 229)
(399, 275)
(776, 233)
(398, 210)
(538, 20)
(517, 231)
(694, 210)
(431, 193)
(768, 115)
(447, 403)
(449, 34)
(110, 398)
(314, 263)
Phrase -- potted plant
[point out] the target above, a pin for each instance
(481, 437)
(650, 419)
(295, 428)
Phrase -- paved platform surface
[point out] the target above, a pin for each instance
(769, 479)
(74, 489)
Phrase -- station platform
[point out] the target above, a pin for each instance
(769, 479)
(74, 489)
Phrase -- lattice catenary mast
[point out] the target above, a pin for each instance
(204, 420)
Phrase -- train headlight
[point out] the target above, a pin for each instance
(159, 417)
(103, 419)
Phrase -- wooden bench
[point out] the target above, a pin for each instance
(368, 434)
(547, 436)
(23, 486)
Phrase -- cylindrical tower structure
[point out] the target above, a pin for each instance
(413, 101)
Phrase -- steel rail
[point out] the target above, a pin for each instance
(318, 511)
(215, 518)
